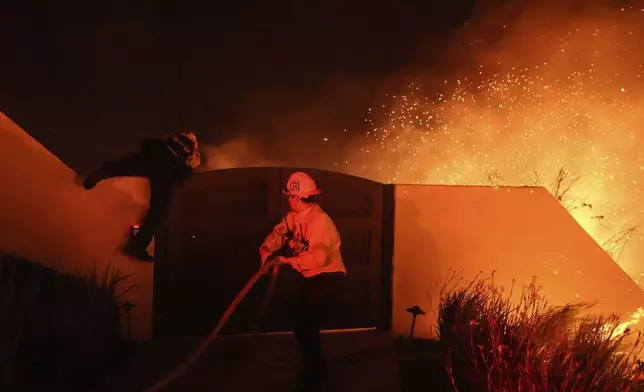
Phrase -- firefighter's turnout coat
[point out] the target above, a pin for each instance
(311, 240)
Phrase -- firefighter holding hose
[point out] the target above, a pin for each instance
(166, 163)
(312, 245)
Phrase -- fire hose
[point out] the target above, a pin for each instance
(179, 370)
(262, 307)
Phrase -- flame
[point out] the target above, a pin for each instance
(622, 327)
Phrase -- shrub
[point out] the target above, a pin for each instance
(498, 344)
(58, 331)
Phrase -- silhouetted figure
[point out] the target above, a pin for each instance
(312, 244)
(165, 162)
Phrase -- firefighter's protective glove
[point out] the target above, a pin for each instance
(274, 261)
(271, 262)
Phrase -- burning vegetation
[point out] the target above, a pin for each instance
(494, 344)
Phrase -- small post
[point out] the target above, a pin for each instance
(128, 306)
(415, 311)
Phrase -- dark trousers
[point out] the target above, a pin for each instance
(316, 299)
(154, 163)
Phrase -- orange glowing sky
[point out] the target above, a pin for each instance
(567, 96)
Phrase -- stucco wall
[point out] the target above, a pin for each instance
(519, 232)
(47, 216)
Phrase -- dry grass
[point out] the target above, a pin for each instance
(495, 344)
(58, 332)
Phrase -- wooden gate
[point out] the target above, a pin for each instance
(209, 248)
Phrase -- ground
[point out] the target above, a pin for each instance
(421, 365)
(359, 361)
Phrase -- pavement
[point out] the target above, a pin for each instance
(358, 361)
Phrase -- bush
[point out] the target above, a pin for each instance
(495, 344)
(58, 332)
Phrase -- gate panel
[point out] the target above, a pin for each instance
(213, 232)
